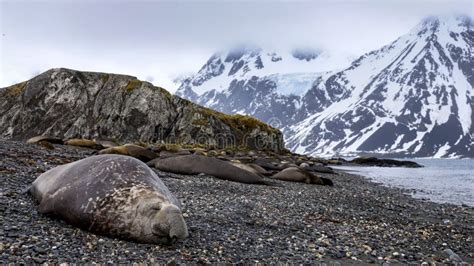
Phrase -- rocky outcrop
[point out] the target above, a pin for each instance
(372, 161)
(72, 104)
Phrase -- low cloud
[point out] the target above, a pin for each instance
(159, 41)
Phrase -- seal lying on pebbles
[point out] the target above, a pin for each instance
(86, 143)
(267, 164)
(256, 169)
(131, 150)
(106, 143)
(38, 139)
(196, 164)
(319, 169)
(298, 175)
(114, 195)
(167, 154)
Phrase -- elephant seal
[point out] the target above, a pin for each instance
(319, 169)
(86, 143)
(196, 164)
(267, 164)
(106, 143)
(256, 169)
(298, 175)
(133, 150)
(51, 140)
(113, 195)
(167, 154)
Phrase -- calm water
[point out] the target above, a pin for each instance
(441, 180)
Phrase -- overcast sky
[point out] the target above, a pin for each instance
(159, 40)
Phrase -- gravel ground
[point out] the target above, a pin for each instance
(355, 220)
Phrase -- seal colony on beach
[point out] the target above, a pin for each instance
(113, 195)
(136, 151)
(196, 164)
(298, 175)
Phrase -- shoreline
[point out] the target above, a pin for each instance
(356, 220)
(413, 180)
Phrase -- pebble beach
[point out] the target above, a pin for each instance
(355, 220)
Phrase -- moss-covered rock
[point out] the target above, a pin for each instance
(15, 90)
(132, 85)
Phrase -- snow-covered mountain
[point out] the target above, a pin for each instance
(413, 97)
(264, 84)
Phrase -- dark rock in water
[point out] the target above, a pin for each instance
(74, 104)
(372, 161)
(295, 174)
(196, 164)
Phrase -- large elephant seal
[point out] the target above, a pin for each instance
(295, 174)
(133, 150)
(196, 164)
(113, 195)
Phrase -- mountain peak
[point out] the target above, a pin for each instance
(434, 24)
(412, 97)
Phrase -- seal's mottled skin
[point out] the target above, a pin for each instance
(114, 195)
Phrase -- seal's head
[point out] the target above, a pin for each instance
(168, 224)
(161, 223)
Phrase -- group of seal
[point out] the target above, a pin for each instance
(117, 194)
(112, 194)
(196, 164)
(296, 174)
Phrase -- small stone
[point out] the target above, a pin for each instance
(452, 256)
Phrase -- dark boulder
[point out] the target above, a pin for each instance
(372, 161)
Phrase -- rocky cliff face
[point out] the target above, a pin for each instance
(68, 103)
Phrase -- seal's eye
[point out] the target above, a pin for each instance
(156, 206)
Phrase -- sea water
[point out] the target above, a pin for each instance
(440, 180)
